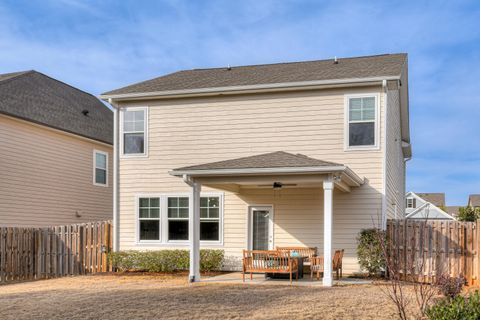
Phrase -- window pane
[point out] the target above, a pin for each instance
(143, 213)
(209, 231)
(213, 212)
(100, 176)
(133, 143)
(129, 116)
(128, 126)
(362, 134)
(183, 202)
(155, 213)
(149, 230)
(139, 115)
(172, 212)
(213, 202)
(154, 202)
(100, 161)
(355, 115)
(178, 230)
(144, 202)
(203, 213)
(173, 202)
(203, 202)
(139, 126)
(183, 213)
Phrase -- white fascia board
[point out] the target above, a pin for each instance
(240, 89)
(269, 171)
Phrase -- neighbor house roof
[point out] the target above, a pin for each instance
(437, 199)
(35, 97)
(452, 210)
(279, 159)
(386, 65)
(474, 200)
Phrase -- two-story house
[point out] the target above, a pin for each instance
(55, 153)
(254, 157)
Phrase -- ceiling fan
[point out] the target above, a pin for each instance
(278, 185)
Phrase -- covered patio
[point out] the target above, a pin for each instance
(277, 170)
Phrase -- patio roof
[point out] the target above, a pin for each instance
(278, 163)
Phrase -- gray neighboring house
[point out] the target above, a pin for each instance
(55, 152)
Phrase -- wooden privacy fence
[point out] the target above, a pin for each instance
(43, 253)
(433, 248)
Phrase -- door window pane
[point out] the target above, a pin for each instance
(260, 229)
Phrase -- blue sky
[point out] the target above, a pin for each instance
(102, 45)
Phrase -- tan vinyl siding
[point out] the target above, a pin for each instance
(194, 131)
(47, 175)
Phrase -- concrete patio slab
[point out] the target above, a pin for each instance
(260, 279)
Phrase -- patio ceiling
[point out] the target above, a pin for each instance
(277, 169)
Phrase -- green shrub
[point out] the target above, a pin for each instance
(369, 251)
(464, 308)
(165, 260)
(468, 214)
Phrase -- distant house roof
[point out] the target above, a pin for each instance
(437, 199)
(452, 210)
(35, 97)
(279, 159)
(386, 65)
(474, 200)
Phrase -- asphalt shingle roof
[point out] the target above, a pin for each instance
(279, 159)
(474, 200)
(35, 97)
(437, 199)
(346, 68)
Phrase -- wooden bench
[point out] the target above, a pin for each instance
(269, 261)
(317, 264)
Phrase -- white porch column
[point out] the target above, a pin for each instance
(327, 233)
(194, 231)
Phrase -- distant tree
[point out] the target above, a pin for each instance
(468, 214)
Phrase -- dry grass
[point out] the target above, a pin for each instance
(171, 297)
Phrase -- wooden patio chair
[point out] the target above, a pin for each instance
(316, 265)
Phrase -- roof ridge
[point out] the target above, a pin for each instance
(295, 62)
(69, 85)
(18, 74)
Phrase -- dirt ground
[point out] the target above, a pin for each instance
(171, 297)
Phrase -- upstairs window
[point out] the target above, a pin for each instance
(134, 131)
(100, 160)
(362, 122)
(411, 203)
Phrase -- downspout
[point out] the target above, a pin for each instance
(384, 143)
(116, 213)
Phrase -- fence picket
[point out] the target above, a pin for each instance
(42, 253)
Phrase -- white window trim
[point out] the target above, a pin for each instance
(164, 242)
(271, 225)
(410, 200)
(95, 167)
(376, 145)
(145, 134)
(137, 218)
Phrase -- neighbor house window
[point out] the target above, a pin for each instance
(362, 122)
(177, 218)
(411, 203)
(210, 218)
(100, 160)
(149, 218)
(134, 131)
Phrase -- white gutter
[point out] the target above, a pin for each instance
(268, 171)
(116, 213)
(246, 88)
